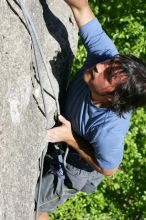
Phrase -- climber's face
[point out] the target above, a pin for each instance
(98, 80)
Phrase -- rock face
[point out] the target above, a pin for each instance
(22, 126)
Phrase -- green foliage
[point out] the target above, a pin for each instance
(125, 23)
(122, 196)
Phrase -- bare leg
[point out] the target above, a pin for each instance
(43, 216)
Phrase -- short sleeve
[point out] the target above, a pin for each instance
(96, 41)
(109, 150)
(108, 142)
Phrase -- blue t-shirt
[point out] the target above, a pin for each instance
(100, 127)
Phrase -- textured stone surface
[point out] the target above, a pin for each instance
(22, 125)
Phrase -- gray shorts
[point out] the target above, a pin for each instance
(55, 191)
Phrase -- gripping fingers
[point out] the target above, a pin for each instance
(63, 120)
(52, 137)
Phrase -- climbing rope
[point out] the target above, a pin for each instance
(38, 49)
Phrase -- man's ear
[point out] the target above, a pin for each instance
(123, 78)
(120, 78)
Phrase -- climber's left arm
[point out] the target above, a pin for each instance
(64, 133)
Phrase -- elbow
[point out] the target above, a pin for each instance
(107, 172)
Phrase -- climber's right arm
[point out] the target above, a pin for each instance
(81, 10)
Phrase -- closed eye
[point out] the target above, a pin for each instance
(95, 69)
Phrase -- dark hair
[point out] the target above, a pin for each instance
(132, 93)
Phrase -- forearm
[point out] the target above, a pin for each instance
(84, 151)
(64, 133)
(81, 10)
(87, 153)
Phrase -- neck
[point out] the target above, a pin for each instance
(99, 100)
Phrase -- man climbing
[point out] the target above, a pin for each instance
(96, 114)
